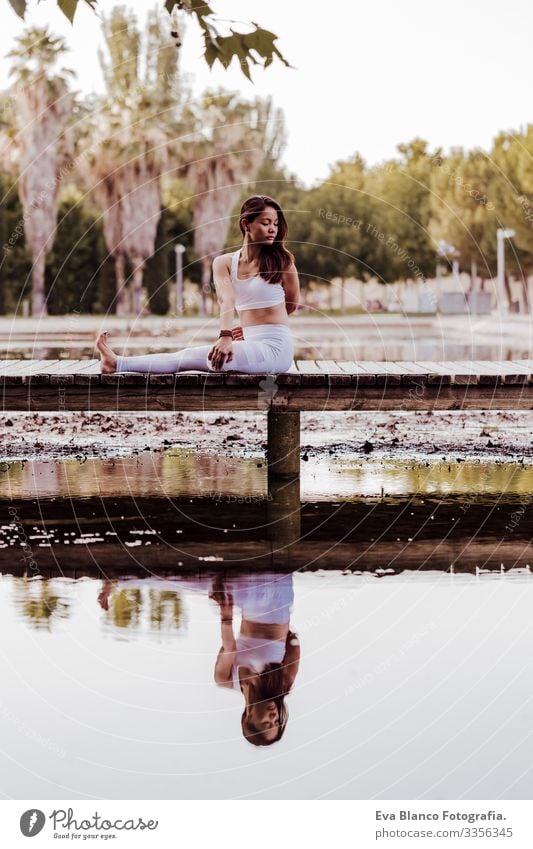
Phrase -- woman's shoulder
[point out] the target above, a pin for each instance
(223, 260)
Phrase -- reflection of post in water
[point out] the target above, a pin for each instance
(283, 517)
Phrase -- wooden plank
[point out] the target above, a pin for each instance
(486, 376)
(493, 373)
(311, 374)
(37, 367)
(386, 373)
(210, 378)
(89, 374)
(508, 372)
(62, 372)
(444, 368)
(336, 376)
(527, 365)
(210, 394)
(358, 374)
(11, 366)
(412, 372)
(186, 378)
(292, 377)
(240, 379)
(88, 367)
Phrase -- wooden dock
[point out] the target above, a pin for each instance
(314, 385)
(310, 385)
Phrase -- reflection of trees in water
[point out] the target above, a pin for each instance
(165, 610)
(125, 608)
(39, 603)
(162, 610)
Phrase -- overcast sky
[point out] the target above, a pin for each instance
(367, 75)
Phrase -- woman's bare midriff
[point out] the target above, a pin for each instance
(264, 632)
(265, 315)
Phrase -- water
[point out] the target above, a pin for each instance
(412, 604)
(417, 686)
(182, 472)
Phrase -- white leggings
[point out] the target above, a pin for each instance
(265, 349)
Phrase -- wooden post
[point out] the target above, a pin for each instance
(283, 444)
(283, 518)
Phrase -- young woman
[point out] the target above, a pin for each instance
(259, 280)
(262, 662)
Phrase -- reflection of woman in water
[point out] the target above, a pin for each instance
(263, 661)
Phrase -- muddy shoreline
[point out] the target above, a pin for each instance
(495, 436)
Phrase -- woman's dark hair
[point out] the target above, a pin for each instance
(273, 259)
(270, 688)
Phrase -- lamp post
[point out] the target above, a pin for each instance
(179, 250)
(446, 251)
(501, 235)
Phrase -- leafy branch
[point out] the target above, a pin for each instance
(252, 48)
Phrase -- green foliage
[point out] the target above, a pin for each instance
(179, 228)
(15, 263)
(462, 210)
(401, 194)
(74, 264)
(511, 191)
(157, 270)
(223, 48)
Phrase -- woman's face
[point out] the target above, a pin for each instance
(264, 228)
(264, 718)
(262, 715)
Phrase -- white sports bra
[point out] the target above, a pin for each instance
(255, 292)
(255, 653)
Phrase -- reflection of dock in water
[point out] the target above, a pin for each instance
(113, 536)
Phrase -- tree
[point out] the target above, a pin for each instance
(511, 190)
(75, 263)
(230, 143)
(43, 105)
(338, 210)
(462, 213)
(245, 47)
(401, 193)
(127, 137)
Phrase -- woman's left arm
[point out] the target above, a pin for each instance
(227, 654)
(291, 285)
(291, 660)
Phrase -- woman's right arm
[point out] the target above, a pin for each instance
(222, 350)
(225, 292)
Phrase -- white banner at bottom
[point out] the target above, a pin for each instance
(224, 824)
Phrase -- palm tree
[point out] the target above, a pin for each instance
(128, 137)
(234, 138)
(43, 104)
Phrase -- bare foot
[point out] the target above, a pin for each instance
(108, 359)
